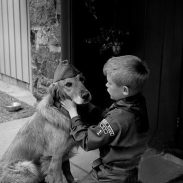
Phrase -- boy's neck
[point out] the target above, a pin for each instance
(130, 97)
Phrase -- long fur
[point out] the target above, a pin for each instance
(51, 113)
(41, 146)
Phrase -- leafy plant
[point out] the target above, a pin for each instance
(109, 39)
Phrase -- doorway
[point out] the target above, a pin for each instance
(100, 30)
(151, 30)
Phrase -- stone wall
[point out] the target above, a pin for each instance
(45, 27)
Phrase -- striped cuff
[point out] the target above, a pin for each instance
(75, 121)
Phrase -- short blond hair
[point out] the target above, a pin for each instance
(127, 70)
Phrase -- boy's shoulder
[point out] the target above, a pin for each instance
(119, 115)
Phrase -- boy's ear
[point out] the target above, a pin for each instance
(125, 90)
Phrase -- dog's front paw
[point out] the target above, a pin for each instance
(49, 179)
(52, 179)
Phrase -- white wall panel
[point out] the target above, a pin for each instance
(2, 63)
(14, 39)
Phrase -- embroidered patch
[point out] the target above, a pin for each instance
(106, 128)
(99, 132)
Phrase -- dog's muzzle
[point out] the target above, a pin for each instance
(85, 95)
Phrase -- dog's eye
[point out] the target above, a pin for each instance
(68, 84)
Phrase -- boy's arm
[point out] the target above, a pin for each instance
(91, 137)
(94, 136)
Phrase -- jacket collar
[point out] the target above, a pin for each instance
(128, 101)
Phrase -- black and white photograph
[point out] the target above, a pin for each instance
(91, 91)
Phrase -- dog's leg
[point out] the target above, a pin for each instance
(67, 171)
(45, 162)
(54, 173)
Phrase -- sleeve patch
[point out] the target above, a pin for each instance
(106, 128)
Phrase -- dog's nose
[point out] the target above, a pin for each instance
(85, 95)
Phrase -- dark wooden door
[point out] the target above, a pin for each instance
(92, 25)
(163, 51)
(179, 130)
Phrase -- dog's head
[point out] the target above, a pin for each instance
(70, 88)
(69, 84)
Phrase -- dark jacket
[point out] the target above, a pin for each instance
(121, 136)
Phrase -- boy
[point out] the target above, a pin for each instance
(122, 134)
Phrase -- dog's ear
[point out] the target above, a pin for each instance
(56, 92)
(61, 95)
(52, 89)
(52, 92)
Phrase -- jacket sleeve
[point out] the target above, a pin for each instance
(94, 136)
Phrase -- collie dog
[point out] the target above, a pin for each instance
(41, 150)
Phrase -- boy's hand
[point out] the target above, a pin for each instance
(70, 106)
